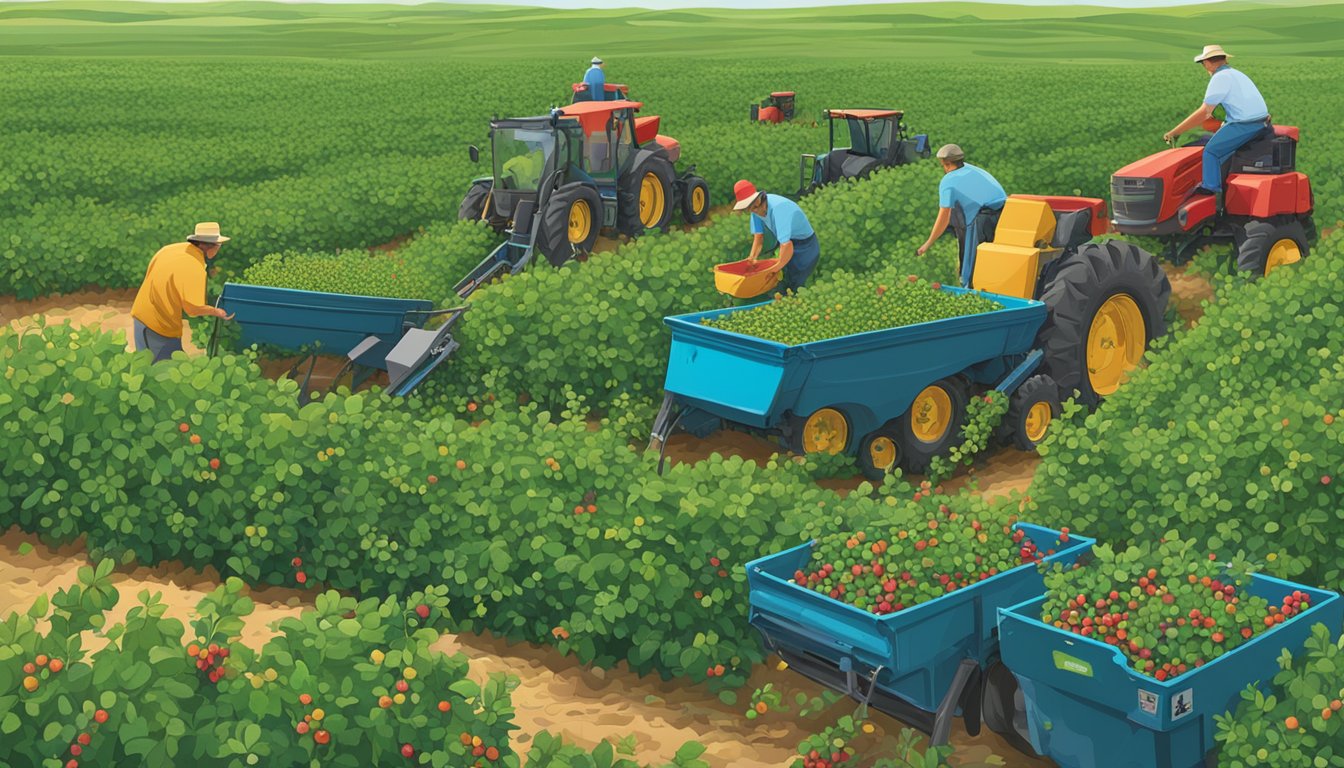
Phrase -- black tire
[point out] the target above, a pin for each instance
(1085, 281)
(553, 238)
(1020, 427)
(628, 217)
(1003, 708)
(695, 207)
(916, 454)
(879, 453)
(473, 206)
(1256, 239)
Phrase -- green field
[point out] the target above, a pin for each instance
(512, 493)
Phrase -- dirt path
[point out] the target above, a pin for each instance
(108, 309)
(1188, 293)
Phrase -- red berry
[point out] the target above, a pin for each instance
(75, 749)
(301, 728)
(403, 686)
(407, 750)
(296, 562)
(422, 611)
(100, 716)
(184, 427)
(301, 577)
(84, 739)
(433, 479)
(321, 737)
(444, 706)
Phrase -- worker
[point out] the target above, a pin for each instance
(596, 80)
(970, 200)
(798, 246)
(175, 283)
(1247, 116)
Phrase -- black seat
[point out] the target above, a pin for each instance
(1072, 229)
(1265, 153)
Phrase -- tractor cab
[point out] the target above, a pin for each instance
(614, 92)
(526, 152)
(776, 108)
(877, 139)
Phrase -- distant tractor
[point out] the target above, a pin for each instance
(877, 139)
(564, 177)
(1267, 209)
(775, 109)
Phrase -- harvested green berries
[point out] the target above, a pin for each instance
(1167, 608)
(847, 304)
(885, 571)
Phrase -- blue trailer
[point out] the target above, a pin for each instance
(925, 664)
(896, 396)
(1085, 707)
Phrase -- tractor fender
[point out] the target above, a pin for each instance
(669, 145)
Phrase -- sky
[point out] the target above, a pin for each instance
(674, 4)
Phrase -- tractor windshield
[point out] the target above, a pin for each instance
(522, 156)
(870, 137)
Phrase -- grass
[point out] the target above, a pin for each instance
(916, 31)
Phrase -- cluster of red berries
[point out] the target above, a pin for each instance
(312, 722)
(209, 658)
(479, 748)
(1168, 620)
(717, 670)
(40, 666)
(83, 740)
(299, 575)
(815, 759)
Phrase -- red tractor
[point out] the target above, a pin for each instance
(1266, 210)
(775, 109)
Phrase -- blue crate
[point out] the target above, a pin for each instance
(1087, 708)
(920, 648)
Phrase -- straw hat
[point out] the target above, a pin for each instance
(1212, 51)
(207, 232)
(746, 195)
(596, 60)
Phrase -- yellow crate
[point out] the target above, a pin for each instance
(746, 279)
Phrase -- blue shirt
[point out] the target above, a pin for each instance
(971, 189)
(597, 83)
(1237, 95)
(784, 219)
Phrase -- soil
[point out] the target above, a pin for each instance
(109, 309)
(1189, 291)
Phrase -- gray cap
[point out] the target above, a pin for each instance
(596, 60)
(951, 152)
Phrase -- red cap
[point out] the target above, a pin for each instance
(746, 194)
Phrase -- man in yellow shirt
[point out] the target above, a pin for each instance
(174, 284)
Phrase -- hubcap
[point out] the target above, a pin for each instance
(1114, 343)
(825, 431)
(882, 452)
(1282, 253)
(580, 221)
(650, 200)
(1038, 420)
(698, 200)
(931, 414)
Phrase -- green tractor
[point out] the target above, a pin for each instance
(588, 167)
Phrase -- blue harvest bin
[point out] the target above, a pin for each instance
(1087, 708)
(918, 648)
(332, 323)
(872, 376)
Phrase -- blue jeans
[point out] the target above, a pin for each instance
(162, 346)
(1228, 139)
(799, 269)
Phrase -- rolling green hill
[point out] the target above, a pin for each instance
(435, 30)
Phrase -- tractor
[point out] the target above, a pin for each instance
(590, 166)
(1266, 210)
(774, 109)
(877, 139)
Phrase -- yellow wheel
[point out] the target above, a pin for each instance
(931, 414)
(1282, 253)
(698, 200)
(1038, 421)
(652, 200)
(1115, 343)
(580, 221)
(882, 452)
(826, 431)
(878, 454)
